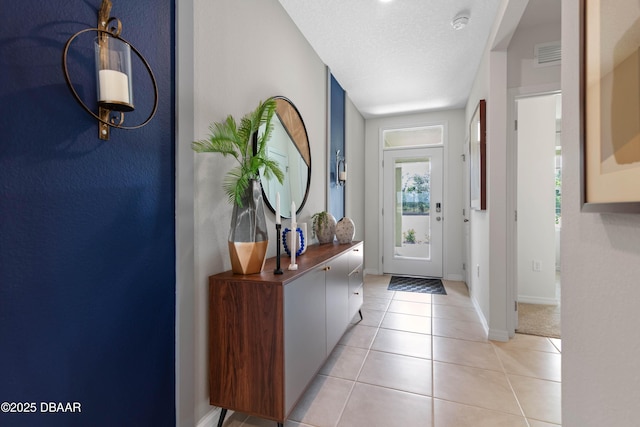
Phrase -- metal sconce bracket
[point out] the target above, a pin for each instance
(103, 20)
(106, 117)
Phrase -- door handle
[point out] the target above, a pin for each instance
(438, 218)
(466, 220)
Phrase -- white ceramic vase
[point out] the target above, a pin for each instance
(303, 238)
(345, 230)
(327, 232)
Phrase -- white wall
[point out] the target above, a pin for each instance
(525, 79)
(478, 257)
(452, 205)
(522, 70)
(185, 297)
(245, 52)
(489, 229)
(600, 285)
(354, 155)
(536, 199)
(502, 65)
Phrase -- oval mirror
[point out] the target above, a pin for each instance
(289, 146)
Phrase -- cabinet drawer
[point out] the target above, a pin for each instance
(355, 279)
(355, 257)
(355, 301)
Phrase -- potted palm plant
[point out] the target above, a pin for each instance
(246, 142)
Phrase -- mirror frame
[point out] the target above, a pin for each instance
(293, 124)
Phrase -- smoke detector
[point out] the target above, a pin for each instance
(460, 21)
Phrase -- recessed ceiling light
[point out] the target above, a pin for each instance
(385, 1)
(460, 21)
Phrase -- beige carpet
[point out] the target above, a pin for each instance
(537, 319)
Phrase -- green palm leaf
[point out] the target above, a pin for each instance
(230, 139)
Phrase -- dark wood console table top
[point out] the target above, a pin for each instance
(315, 254)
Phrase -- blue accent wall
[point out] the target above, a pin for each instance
(337, 114)
(87, 245)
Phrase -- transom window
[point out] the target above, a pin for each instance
(414, 137)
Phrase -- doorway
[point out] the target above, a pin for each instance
(413, 211)
(538, 216)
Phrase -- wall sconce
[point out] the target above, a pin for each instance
(113, 73)
(341, 169)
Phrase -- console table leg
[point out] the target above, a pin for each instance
(280, 425)
(223, 414)
(360, 312)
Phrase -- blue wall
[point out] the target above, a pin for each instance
(87, 248)
(337, 112)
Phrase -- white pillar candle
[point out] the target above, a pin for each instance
(343, 173)
(294, 246)
(114, 86)
(278, 208)
(293, 212)
(294, 242)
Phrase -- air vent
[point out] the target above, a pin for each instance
(547, 54)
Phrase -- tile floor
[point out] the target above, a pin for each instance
(424, 360)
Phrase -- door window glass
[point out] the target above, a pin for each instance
(412, 208)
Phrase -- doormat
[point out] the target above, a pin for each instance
(416, 284)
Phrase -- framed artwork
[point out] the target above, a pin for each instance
(478, 154)
(610, 104)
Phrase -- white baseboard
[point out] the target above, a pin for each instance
(455, 277)
(498, 335)
(480, 314)
(537, 300)
(492, 334)
(371, 271)
(210, 419)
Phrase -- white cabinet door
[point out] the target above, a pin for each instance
(337, 288)
(304, 332)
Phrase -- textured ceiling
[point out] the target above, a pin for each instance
(403, 56)
(400, 56)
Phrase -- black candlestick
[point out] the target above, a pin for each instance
(279, 235)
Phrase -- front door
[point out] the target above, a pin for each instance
(413, 212)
